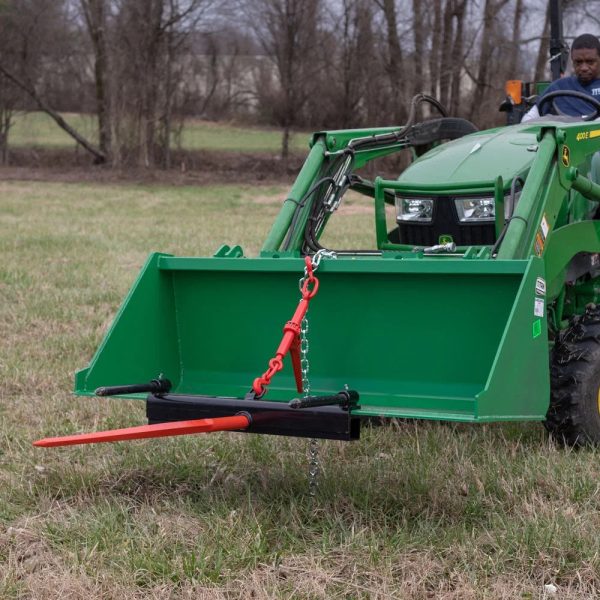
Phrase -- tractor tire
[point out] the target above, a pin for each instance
(573, 417)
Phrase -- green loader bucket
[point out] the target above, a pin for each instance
(439, 338)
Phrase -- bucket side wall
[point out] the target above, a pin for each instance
(142, 342)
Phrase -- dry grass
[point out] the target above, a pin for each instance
(413, 510)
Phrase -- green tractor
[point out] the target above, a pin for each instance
(476, 304)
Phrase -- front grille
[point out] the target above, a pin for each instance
(444, 222)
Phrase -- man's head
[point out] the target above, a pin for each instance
(585, 55)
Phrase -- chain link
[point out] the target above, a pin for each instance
(315, 262)
(313, 445)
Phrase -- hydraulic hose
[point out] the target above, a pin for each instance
(376, 140)
(299, 205)
(513, 193)
(318, 211)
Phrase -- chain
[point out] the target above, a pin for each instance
(304, 364)
(309, 285)
(313, 445)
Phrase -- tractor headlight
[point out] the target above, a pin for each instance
(414, 209)
(475, 210)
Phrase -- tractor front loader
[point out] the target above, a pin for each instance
(477, 303)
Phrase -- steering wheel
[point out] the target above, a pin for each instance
(571, 94)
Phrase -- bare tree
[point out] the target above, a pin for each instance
(457, 61)
(434, 54)
(36, 34)
(95, 15)
(343, 99)
(286, 30)
(419, 36)
(541, 65)
(395, 56)
(489, 38)
(515, 50)
(446, 52)
(137, 49)
(149, 43)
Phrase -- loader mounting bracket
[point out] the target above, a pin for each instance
(267, 417)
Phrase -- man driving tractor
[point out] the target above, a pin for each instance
(585, 56)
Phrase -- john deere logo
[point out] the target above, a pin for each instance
(566, 156)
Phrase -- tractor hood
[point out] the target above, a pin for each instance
(505, 152)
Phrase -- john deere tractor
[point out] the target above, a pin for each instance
(477, 303)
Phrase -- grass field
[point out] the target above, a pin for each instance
(413, 510)
(39, 130)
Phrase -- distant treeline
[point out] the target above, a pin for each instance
(142, 66)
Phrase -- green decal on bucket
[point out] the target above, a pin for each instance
(537, 328)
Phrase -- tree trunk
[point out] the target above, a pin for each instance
(95, 17)
(418, 26)
(446, 50)
(395, 59)
(165, 138)
(212, 79)
(541, 66)
(485, 57)
(287, 66)
(5, 125)
(285, 144)
(457, 57)
(515, 51)
(346, 69)
(434, 56)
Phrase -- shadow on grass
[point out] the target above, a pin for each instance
(451, 473)
(205, 507)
